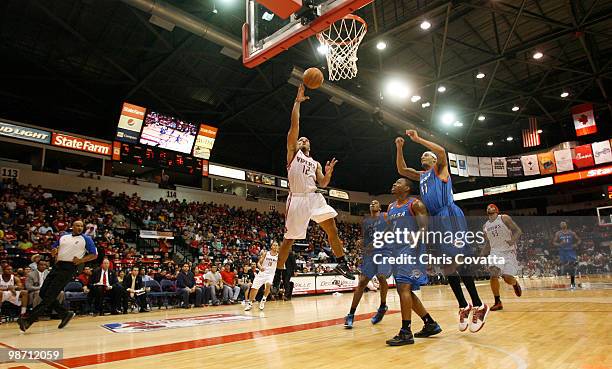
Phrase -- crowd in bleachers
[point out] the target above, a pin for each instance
(212, 258)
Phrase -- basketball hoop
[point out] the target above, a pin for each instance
(340, 43)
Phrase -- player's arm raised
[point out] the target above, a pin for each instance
(435, 148)
(294, 130)
(324, 179)
(516, 231)
(402, 168)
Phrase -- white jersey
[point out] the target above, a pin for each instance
(499, 235)
(269, 263)
(10, 283)
(302, 173)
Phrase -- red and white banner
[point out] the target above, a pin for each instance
(531, 137)
(81, 144)
(584, 120)
(583, 174)
(116, 151)
(333, 283)
(583, 156)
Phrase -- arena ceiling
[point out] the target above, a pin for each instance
(69, 64)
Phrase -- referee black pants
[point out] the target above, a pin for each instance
(60, 275)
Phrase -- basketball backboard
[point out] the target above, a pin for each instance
(604, 215)
(265, 35)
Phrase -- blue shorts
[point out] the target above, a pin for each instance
(410, 273)
(567, 256)
(370, 269)
(450, 219)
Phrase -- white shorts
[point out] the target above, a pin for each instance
(301, 208)
(510, 265)
(261, 279)
(8, 296)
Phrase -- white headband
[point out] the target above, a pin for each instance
(432, 154)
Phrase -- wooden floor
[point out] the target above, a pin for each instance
(549, 327)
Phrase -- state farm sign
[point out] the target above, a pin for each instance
(81, 144)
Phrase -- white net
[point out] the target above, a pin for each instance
(340, 43)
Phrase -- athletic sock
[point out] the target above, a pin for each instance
(497, 300)
(382, 305)
(427, 319)
(468, 281)
(573, 279)
(352, 311)
(406, 324)
(23, 310)
(341, 259)
(455, 282)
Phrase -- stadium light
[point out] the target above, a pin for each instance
(448, 118)
(564, 94)
(539, 131)
(458, 124)
(381, 45)
(481, 117)
(480, 75)
(425, 25)
(322, 49)
(425, 105)
(415, 98)
(441, 89)
(515, 108)
(397, 89)
(490, 143)
(509, 138)
(538, 55)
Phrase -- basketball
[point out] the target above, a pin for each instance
(313, 78)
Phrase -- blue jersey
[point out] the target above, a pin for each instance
(435, 193)
(371, 225)
(401, 216)
(567, 240)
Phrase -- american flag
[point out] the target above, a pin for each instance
(531, 137)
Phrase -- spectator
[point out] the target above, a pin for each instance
(135, 289)
(34, 282)
(185, 283)
(12, 289)
(104, 282)
(34, 261)
(231, 292)
(215, 283)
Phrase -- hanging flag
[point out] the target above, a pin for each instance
(584, 120)
(485, 166)
(452, 163)
(563, 158)
(583, 156)
(462, 165)
(472, 166)
(514, 166)
(547, 163)
(531, 137)
(530, 165)
(499, 167)
(601, 152)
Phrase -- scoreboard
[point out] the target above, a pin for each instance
(158, 158)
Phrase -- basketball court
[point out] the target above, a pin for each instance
(308, 333)
(509, 98)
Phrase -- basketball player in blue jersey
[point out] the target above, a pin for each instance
(567, 240)
(409, 214)
(437, 195)
(375, 222)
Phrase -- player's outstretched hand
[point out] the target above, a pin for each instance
(300, 94)
(399, 142)
(412, 134)
(329, 166)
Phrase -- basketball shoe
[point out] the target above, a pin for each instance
(464, 315)
(479, 315)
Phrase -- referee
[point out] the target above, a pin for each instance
(70, 251)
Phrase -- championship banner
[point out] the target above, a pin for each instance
(472, 166)
(485, 166)
(130, 123)
(462, 165)
(204, 142)
(499, 167)
(584, 120)
(601, 152)
(583, 156)
(546, 162)
(563, 158)
(514, 166)
(452, 164)
(530, 165)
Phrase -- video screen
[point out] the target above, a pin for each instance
(168, 132)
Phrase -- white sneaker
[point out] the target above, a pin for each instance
(464, 317)
(262, 304)
(478, 318)
(249, 306)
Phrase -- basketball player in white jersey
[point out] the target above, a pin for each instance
(267, 268)
(304, 203)
(501, 235)
(13, 290)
